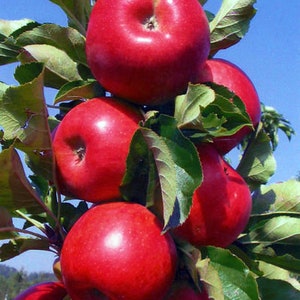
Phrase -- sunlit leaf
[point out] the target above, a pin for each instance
(275, 230)
(59, 67)
(7, 27)
(79, 90)
(231, 23)
(237, 280)
(23, 116)
(277, 198)
(65, 39)
(187, 166)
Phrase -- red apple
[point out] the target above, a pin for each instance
(45, 291)
(182, 290)
(117, 250)
(221, 206)
(147, 51)
(91, 145)
(225, 73)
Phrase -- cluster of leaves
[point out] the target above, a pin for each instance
(264, 258)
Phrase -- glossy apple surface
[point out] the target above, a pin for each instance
(147, 51)
(44, 291)
(91, 145)
(221, 206)
(182, 290)
(225, 73)
(117, 251)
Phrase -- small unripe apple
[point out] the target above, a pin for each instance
(225, 73)
(44, 291)
(147, 51)
(90, 147)
(117, 251)
(221, 206)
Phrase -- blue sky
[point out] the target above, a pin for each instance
(269, 54)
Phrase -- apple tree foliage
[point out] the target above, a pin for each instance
(264, 262)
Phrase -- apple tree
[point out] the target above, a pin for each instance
(166, 165)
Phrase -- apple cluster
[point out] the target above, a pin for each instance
(117, 250)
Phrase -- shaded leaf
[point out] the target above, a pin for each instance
(21, 244)
(77, 11)
(258, 163)
(277, 289)
(230, 24)
(6, 222)
(16, 191)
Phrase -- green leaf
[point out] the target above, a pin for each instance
(8, 52)
(275, 230)
(187, 107)
(21, 244)
(258, 163)
(6, 222)
(8, 27)
(277, 290)
(187, 166)
(65, 39)
(16, 191)
(277, 198)
(166, 171)
(206, 112)
(238, 282)
(59, 67)
(140, 168)
(210, 279)
(24, 118)
(231, 23)
(78, 12)
(79, 90)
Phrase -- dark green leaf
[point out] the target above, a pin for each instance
(231, 23)
(277, 290)
(257, 164)
(16, 191)
(21, 244)
(6, 222)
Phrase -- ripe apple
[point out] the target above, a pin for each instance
(91, 145)
(182, 290)
(45, 291)
(147, 51)
(116, 250)
(221, 205)
(225, 73)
